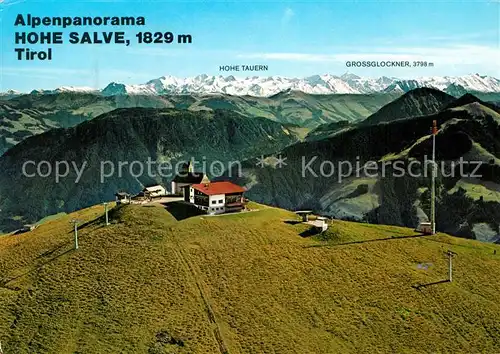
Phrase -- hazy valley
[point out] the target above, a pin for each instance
(27, 115)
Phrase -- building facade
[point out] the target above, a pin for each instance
(155, 191)
(217, 197)
(123, 198)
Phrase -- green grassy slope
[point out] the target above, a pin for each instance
(242, 283)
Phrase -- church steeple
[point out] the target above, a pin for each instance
(187, 167)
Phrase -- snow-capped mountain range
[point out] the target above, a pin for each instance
(268, 86)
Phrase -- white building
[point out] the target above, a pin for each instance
(123, 198)
(320, 224)
(155, 191)
(424, 227)
(217, 197)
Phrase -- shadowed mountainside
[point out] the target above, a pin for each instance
(131, 137)
(419, 102)
(314, 177)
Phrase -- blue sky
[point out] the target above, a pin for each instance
(292, 38)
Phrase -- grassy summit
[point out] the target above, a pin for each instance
(242, 283)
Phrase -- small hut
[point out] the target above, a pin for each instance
(424, 227)
(123, 198)
(25, 228)
(155, 191)
(304, 214)
(322, 223)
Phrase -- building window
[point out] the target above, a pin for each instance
(220, 201)
(214, 201)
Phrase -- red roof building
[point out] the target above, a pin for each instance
(217, 197)
(213, 188)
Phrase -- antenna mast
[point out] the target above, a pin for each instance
(433, 179)
(75, 225)
(106, 211)
(450, 254)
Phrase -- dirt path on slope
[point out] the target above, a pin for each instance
(206, 301)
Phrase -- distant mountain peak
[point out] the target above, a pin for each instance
(350, 76)
(456, 90)
(10, 93)
(114, 88)
(348, 83)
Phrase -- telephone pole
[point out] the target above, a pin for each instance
(106, 211)
(75, 226)
(433, 178)
(450, 254)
